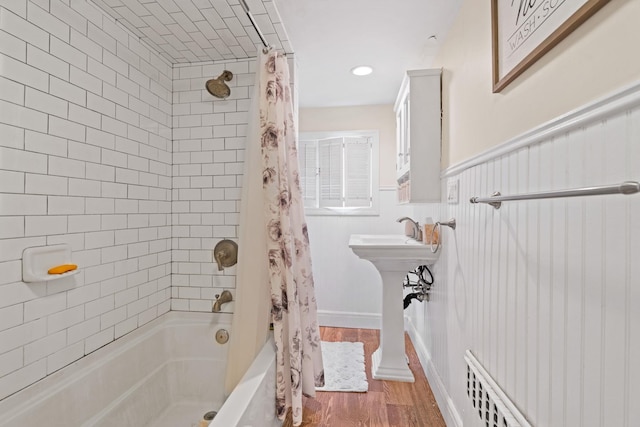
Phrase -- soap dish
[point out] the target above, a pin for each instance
(37, 261)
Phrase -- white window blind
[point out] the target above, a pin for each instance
(336, 173)
(331, 172)
(308, 159)
(357, 176)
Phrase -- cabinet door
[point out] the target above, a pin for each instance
(418, 115)
(402, 134)
(399, 139)
(407, 130)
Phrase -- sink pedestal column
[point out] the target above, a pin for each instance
(389, 361)
(393, 256)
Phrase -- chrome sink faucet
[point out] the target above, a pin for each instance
(417, 233)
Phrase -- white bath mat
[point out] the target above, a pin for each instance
(343, 367)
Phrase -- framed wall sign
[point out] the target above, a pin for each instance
(524, 30)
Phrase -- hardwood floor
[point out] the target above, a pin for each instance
(386, 404)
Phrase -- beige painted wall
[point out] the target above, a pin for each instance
(601, 56)
(366, 117)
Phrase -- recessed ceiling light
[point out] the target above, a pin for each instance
(362, 70)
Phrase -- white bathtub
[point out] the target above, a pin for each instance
(167, 373)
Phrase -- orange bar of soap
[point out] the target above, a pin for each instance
(59, 269)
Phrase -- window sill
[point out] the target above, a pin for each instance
(341, 211)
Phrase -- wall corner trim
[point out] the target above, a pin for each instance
(620, 100)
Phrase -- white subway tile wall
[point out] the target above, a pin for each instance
(207, 169)
(85, 159)
(189, 31)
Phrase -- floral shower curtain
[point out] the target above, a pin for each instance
(293, 302)
(252, 309)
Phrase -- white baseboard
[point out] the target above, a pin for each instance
(445, 403)
(345, 319)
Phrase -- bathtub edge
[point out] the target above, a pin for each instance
(238, 402)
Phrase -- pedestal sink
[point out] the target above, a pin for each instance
(393, 256)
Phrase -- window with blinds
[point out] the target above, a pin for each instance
(337, 172)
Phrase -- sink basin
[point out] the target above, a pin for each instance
(405, 252)
(393, 255)
(383, 240)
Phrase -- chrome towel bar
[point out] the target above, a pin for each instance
(627, 187)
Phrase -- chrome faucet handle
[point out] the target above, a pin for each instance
(418, 231)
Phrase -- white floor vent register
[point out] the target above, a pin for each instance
(493, 405)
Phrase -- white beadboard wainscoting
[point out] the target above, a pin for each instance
(545, 293)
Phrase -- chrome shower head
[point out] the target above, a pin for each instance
(218, 87)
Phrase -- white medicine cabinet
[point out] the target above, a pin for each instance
(418, 136)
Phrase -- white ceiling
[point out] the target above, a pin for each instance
(329, 37)
(332, 36)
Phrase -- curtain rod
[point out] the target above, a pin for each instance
(245, 7)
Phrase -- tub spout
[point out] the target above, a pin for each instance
(223, 298)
